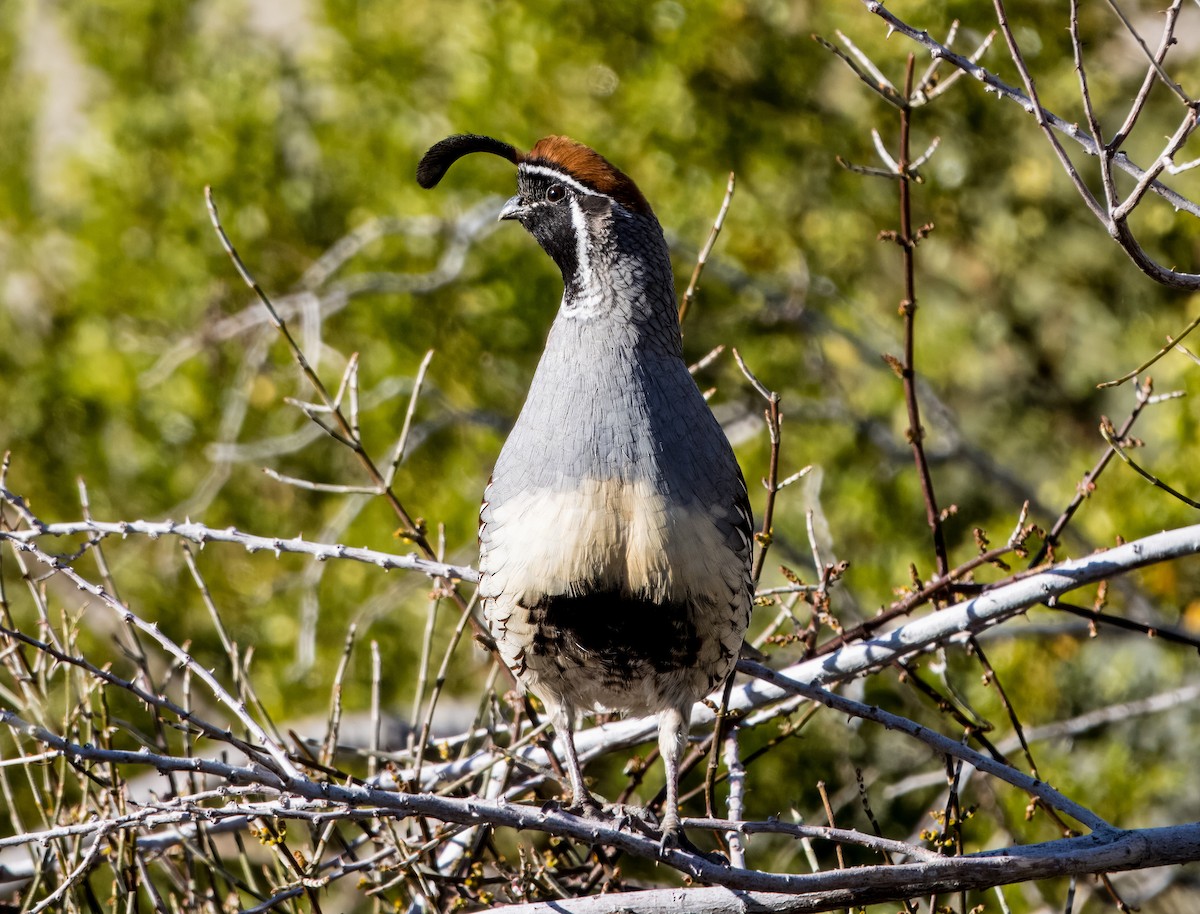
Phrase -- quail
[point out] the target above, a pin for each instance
(615, 531)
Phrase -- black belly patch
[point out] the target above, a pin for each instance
(616, 634)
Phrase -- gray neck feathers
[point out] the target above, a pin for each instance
(611, 389)
(624, 280)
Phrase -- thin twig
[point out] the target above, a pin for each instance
(937, 741)
(1088, 484)
(438, 684)
(907, 240)
(864, 68)
(1166, 633)
(1155, 62)
(1089, 110)
(426, 653)
(702, 259)
(344, 432)
(710, 774)
(1109, 435)
(841, 859)
(329, 488)
(992, 679)
(399, 450)
(276, 752)
(376, 715)
(771, 482)
(334, 722)
(1004, 90)
(1139, 102)
(202, 535)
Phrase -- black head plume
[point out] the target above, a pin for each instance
(442, 155)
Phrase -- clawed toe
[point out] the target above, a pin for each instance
(671, 835)
(639, 817)
(674, 838)
(620, 815)
(587, 808)
(671, 839)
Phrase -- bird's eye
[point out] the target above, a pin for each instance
(555, 193)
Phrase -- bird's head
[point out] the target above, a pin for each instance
(577, 204)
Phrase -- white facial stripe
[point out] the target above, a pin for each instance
(557, 175)
(579, 223)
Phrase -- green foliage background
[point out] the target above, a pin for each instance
(307, 119)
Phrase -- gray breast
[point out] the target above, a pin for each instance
(617, 494)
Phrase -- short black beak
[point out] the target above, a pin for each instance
(512, 209)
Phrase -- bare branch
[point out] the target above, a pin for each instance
(940, 743)
(1039, 114)
(1139, 102)
(702, 258)
(1155, 61)
(1107, 433)
(1004, 90)
(1111, 852)
(202, 535)
(398, 452)
(1172, 343)
(971, 616)
(272, 748)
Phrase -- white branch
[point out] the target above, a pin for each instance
(834, 889)
(954, 623)
(316, 803)
(201, 535)
(1004, 90)
(943, 744)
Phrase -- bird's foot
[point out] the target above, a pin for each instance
(639, 818)
(620, 815)
(674, 838)
(585, 806)
(672, 834)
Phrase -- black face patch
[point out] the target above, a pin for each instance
(547, 217)
(549, 205)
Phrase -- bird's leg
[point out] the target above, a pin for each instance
(564, 727)
(672, 731)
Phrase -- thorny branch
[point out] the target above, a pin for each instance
(345, 432)
(419, 842)
(702, 258)
(299, 788)
(994, 84)
(1113, 214)
(882, 883)
(908, 239)
(97, 531)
